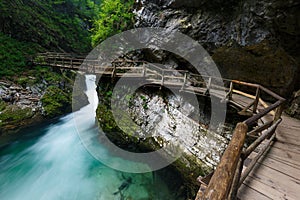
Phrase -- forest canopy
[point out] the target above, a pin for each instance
(114, 17)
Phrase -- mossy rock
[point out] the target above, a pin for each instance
(262, 63)
(13, 114)
(56, 102)
(2, 105)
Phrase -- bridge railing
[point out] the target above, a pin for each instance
(261, 125)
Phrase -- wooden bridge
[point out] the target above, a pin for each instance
(268, 168)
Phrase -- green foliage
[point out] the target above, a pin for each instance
(56, 102)
(54, 25)
(2, 105)
(145, 105)
(115, 16)
(13, 55)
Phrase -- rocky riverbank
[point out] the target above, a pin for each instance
(30, 100)
(20, 106)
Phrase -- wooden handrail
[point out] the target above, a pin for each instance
(218, 188)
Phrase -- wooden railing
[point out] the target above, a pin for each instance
(261, 124)
(195, 83)
(231, 172)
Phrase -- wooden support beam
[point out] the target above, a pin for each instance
(230, 90)
(221, 181)
(113, 74)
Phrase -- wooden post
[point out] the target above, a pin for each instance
(230, 91)
(256, 100)
(207, 86)
(184, 81)
(144, 70)
(278, 113)
(221, 181)
(235, 184)
(113, 74)
(162, 77)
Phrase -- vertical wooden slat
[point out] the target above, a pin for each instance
(236, 179)
(230, 91)
(278, 113)
(254, 161)
(113, 74)
(162, 77)
(208, 86)
(184, 81)
(144, 70)
(257, 96)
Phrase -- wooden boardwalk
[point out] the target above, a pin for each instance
(257, 173)
(277, 174)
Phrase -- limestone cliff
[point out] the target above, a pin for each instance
(263, 35)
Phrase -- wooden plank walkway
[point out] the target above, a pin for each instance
(277, 174)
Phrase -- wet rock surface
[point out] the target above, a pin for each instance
(217, 24)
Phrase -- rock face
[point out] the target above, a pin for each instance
(167, 119)
(261, 63)
(155, 118)
(216, 24)
(294, 108)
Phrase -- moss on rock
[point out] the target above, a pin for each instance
(56, 102)
(13, 117)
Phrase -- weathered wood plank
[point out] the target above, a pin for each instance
(286, 147)
(290, 157)
(282, 167)
(246, 192)
(264, 189)
(277, 164)
(280, 182)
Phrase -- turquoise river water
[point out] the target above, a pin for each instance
(50, 163)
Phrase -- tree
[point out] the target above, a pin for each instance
(115, 16)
